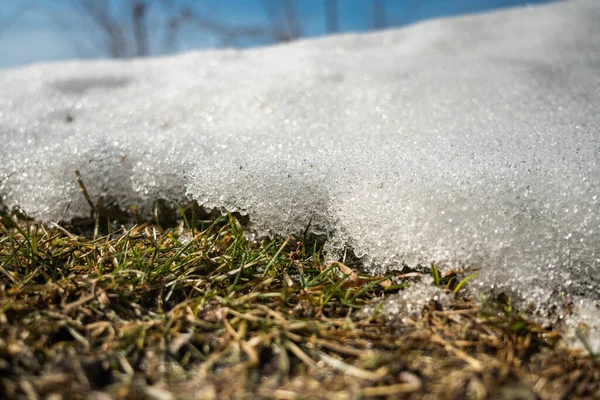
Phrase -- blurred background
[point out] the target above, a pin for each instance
(46, 30)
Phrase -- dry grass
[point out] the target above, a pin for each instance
(197, 311)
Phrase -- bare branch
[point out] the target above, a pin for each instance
(129, 34)
(99, 13)
(140, 29)
(292, 19)
(228, 34)
(285, 25)
(379, 17)
(331, 16)
(277, 30)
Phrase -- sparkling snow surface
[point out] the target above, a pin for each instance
(472, 141)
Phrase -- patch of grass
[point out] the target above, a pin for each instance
(198, 311)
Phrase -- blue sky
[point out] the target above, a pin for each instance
(47, 30)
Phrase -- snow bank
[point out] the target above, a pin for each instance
(470, 141)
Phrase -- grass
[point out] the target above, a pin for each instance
(197, 311)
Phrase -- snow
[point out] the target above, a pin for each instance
(472, 141)
(410, 302)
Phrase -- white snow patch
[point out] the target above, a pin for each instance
(472, 141)
(410, 303)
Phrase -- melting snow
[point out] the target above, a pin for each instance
(472, 141)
